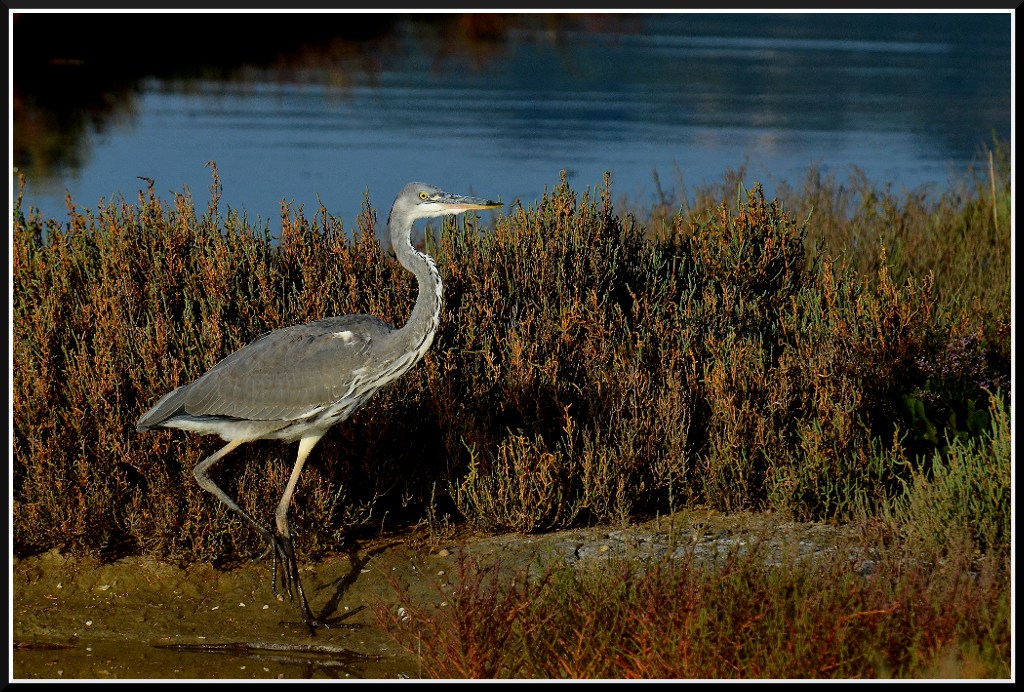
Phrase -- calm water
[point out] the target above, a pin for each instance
(908, 99)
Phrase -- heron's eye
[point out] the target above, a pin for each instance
(423, 196)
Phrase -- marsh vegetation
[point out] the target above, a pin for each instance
(838, 354)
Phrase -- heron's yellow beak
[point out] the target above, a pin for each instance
(460, 203)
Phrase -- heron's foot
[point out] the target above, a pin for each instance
(283, 551)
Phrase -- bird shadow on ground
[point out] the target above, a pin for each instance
(341, 585)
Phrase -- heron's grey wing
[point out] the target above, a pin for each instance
(290, 373)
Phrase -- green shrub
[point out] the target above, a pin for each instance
(963, 497)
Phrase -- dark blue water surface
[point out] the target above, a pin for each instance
(911, 100)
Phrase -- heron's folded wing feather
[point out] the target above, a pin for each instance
(292, 372)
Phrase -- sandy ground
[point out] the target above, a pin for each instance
(138, 618)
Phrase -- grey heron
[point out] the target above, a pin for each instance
(295, 383)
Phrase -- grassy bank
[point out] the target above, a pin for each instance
(906, 594)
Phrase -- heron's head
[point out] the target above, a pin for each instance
(422, 201)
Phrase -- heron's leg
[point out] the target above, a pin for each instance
(284, 538)
(202, 475)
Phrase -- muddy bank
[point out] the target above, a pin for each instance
(75, 618)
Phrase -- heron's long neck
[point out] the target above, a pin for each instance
(426, 313)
